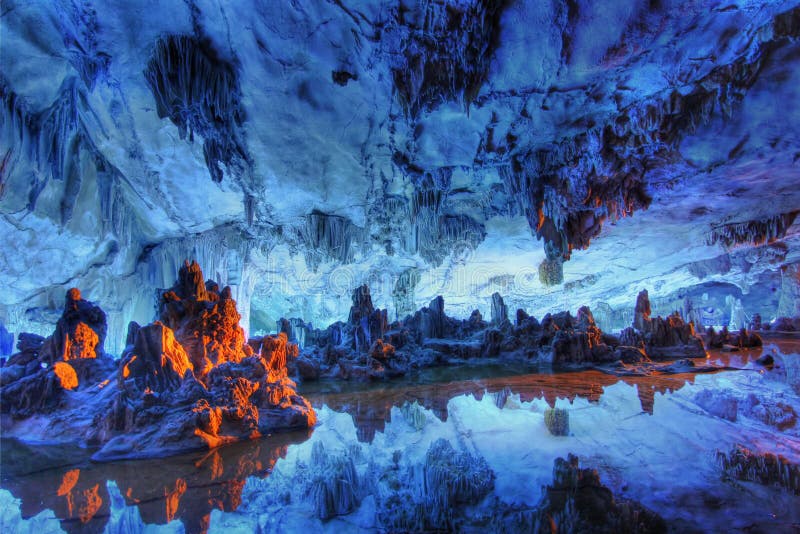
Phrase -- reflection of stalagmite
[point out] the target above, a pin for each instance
(173, 498)
(90, 502)
(647, 397)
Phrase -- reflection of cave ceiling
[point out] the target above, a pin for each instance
(558, 152)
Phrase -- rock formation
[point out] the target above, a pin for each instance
(188, 381)
(499, 309)
(764, 468)
(367, 323)
(205, 320)
(34, 380)
(6, 340)
(430, 337)
(80, 332)
(191, 382)
(661, 338)
(732, 341)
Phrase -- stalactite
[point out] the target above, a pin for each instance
(79, 28)
(50, 139)
(755, 232)
(403, 293)
(330, 237)
(446, 48)
(199, 92)
(568, 189)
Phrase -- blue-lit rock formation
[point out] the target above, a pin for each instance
(367, 346)
(558, 153)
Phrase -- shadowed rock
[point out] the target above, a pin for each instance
(577, 501)
(729, 341)
(764, 468)
(499, 309)
(34, 379)
(662, 338)
(429, 337)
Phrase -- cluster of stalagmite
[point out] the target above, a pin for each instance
(186, 381)
(367, 346)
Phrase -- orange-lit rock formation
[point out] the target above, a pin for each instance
(188, 381)
(205, 320)
(34, 379)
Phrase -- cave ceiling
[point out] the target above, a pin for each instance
(561, 153)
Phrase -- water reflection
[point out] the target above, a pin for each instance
(189, 487)
(186, 487)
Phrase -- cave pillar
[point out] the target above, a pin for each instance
(789, 302)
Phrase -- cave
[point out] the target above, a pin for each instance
(400, 266)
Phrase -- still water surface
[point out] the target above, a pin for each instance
(188, 487)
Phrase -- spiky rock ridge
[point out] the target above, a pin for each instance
(430, 337)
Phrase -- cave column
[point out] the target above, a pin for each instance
(789, 302)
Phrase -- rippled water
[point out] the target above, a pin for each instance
(189, 487)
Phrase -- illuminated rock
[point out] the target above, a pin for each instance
(156, 360)
(80, 332)
(65, 374)
(164, 405)
(204, 319)
(35, 379)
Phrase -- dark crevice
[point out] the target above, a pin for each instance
(199, 92)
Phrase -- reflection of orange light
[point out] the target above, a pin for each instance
(68, 482)
(103, 384)
(173, 498)
(216, 465)
(91, 503)
(130, 497)
(234, 490)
